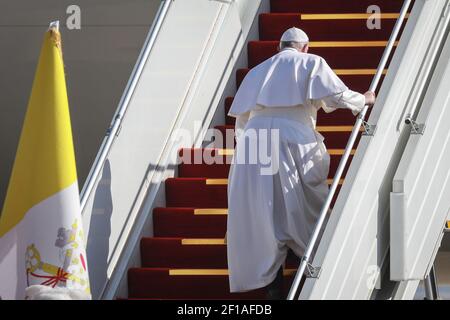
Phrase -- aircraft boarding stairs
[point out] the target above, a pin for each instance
(390, 205)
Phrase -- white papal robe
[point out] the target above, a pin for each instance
(274, 205)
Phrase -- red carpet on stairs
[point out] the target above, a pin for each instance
(166, 252)
(272, 26)
(186, 257)
(190, 223)
(339, 57)
(160, 283)
(332, 6)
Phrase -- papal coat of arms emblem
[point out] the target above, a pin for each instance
(71, 271)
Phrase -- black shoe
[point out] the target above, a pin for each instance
(275, 289)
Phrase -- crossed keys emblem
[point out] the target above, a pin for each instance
(54, 274)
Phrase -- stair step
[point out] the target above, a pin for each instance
(207, 170)
(206, 163)
(174, 253)
(333, 140)
(199, 192)
(332, 6)
(203, 170)
(195, 193)
(363, 57)
(164, 283)
(226, 140)
(272, 26)
(188, 223)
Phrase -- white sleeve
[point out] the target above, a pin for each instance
(349, 99)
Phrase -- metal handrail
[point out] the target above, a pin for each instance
(429, 65)
(115, 126)
(305, 262)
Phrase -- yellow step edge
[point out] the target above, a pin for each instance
(348, 44)
(225, 181)
(330, 181)
(224, 212)
(214, 182)
(356, 72)
(213, 272)
(339, 152)
(198, 242)
(210, 212)
(225, 152)
(348, 16)
(335, 128)
(330, 151)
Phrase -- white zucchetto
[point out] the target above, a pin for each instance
(295, 35)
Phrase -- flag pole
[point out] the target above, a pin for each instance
(54, 25)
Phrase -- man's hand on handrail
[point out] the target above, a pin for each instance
(370, 98)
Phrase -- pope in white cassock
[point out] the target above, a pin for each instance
(274, 201)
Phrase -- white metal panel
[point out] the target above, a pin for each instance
(420, 199)
(147, 124)
(406, 290)
(355, 243)
(180, 88)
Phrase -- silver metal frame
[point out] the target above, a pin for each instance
(114, 129)
(416, 128)
(431, 287)
(438, 37)
(305, 262)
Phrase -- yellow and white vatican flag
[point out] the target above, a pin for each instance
(41, 237)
